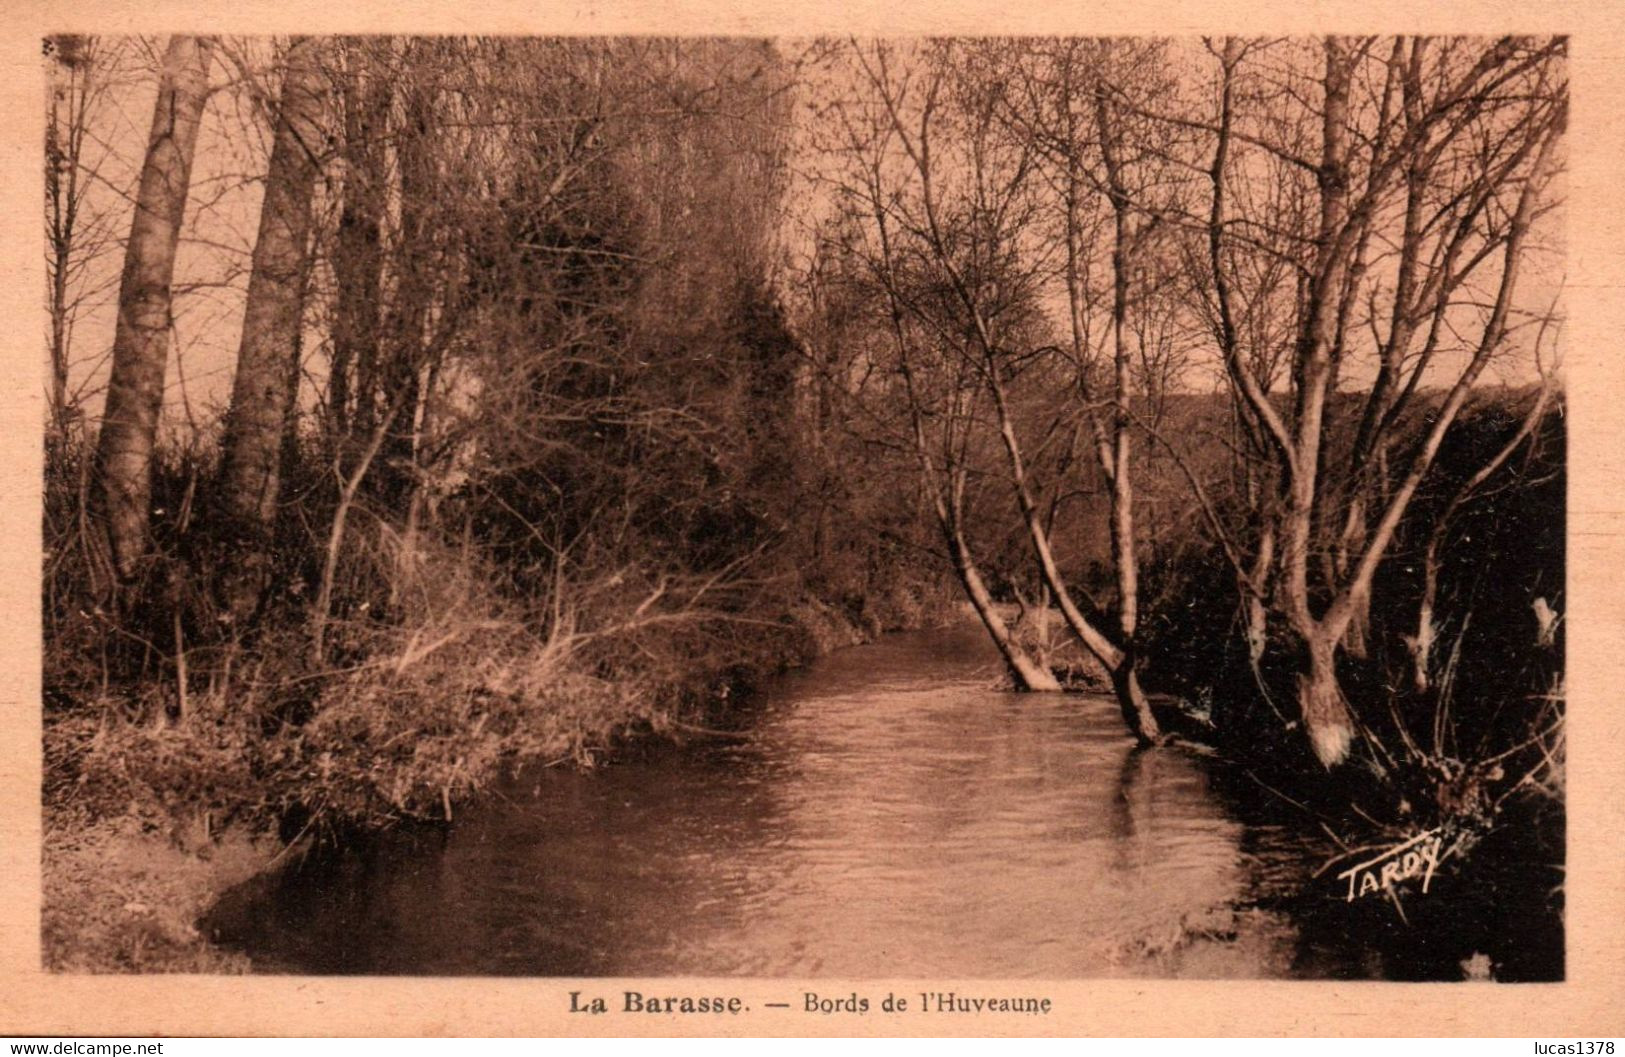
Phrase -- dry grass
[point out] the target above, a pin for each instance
(122, 895)
(429, 682)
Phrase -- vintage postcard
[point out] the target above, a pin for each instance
(792, 520)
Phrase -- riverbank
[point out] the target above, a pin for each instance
(126, 893)
(873, 796)
(148, 824)
(122, 897)
(867, 799)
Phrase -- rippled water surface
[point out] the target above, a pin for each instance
(886, 813)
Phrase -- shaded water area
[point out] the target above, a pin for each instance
(884, 813)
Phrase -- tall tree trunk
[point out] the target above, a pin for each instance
(59, 336)
(262, 394)
(1253, 598)
(61, 174)
(1322, 707)
(402, 354)
(1125, 555)
(358, 255)
(135, 389)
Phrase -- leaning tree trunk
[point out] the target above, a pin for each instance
(135, 390)
(262, 393)
(1027, 673)
(1118, 662)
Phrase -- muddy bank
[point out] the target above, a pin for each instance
(121, 896)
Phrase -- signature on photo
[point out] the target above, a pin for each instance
(1417, 857)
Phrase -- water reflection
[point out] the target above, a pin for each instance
(890, 815)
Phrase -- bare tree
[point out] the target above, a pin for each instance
(79, 230)
(365, 95)
(1423, 166)
(141, 343)
(942, 343)
(1421, 643)
(262, 390)
(1107, 170)
(966, 194)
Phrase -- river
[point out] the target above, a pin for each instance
(885, 813)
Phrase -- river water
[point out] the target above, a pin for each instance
(886, 813)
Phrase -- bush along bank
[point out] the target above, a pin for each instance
(183, 755)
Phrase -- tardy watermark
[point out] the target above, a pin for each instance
(1417, 857)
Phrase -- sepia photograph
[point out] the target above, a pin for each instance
(979, 508)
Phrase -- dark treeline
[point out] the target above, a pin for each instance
(542, 475)
(581, 382)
